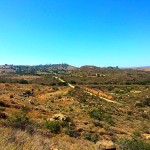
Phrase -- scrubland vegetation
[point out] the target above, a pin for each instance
(41, 112)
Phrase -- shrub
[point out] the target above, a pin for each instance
(71, 109)
(2, 109)
(22, 81)
(97, 114)
(91, 137)
(109, 120)
(52, 100)
(20, 120)
(87, 136)
(130, 144)
(146, 102)
(53, 126)
(11, 96)
(97, 124)
(143, 103)
(2, 103)
(62, 84)
(72, 133)
(72, 82)
(82, 100)
(136, 134)
(94, 137)
(65, 124)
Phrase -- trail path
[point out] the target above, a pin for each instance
(72, 86)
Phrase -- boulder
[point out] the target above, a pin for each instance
(146, 136)
(105, 145)
(60, 117)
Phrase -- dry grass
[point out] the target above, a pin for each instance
(15, 139)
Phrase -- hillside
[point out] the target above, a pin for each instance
(45, 108)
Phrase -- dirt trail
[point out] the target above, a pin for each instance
(98, 93)
(61, 80)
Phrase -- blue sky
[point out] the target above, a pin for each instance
(77, 32)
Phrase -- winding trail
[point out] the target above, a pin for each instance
(89, 92)
(103, 98)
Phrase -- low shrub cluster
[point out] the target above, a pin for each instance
(101, 115)
(132, 144)
(94, 137)
(21, 121)
(53, 126)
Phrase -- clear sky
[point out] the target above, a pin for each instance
(77, 32)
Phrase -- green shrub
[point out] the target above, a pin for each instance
(87, 136)
(2, 109)
(130, 144)
(97, 114)
(71, 109)
(97, 124)
(2, 103)
(65, 124)
(143, 103)
(109, 120)
(52, 100)
(94, 137)
(91, 137)
(146, 102)
(82, 100)
(136, 134)
(20, 120)
(53, 126)
(72, 133)
(22, 81)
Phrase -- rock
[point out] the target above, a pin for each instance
(101, 131)
(146, 136)
(105, 145)
(60, 117)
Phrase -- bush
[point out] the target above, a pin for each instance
(97, 114)
(109, 120)
(83, 99)
(91, 137)
(143, 103)
(52, 100)
(97, 124)
(20, 120)
(72, 133)
(65, 124)
(146, 102)
(22, 81)
(2, 103)
(71, 109)
(2, 109)
(94, 137)
(11, 96)
(128, 144)
(53, 126)
(62, 84)
(72, 82)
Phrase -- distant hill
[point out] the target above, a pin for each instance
(95, 69)
(26, 69)
(145, 68)
(6, 68)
